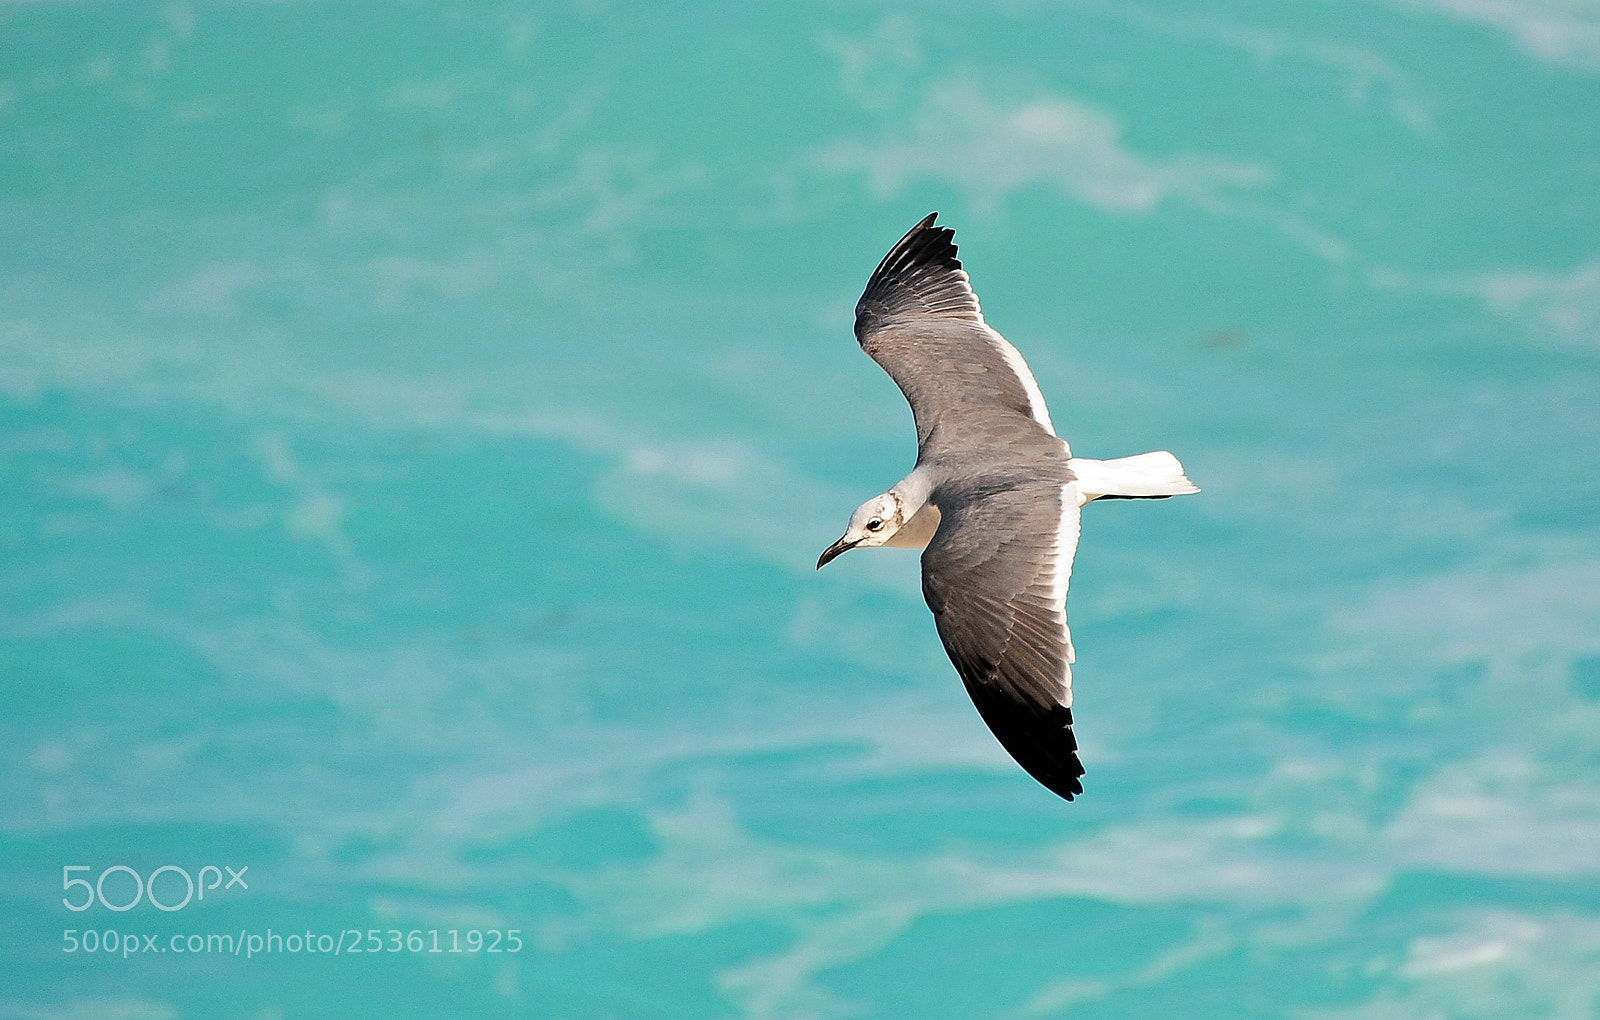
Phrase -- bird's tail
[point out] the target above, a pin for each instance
(1147, 476)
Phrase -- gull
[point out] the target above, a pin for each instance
(993, 501)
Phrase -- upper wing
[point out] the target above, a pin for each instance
(920, 320)
(995, 576)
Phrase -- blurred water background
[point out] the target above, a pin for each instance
(418, 422)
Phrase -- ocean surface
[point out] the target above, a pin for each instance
(419, 422)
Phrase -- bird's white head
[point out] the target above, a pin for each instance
(874, 523)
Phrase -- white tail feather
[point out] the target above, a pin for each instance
(1148, 474)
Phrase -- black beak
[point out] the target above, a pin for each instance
(834, 550)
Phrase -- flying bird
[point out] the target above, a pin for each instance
(993, 501)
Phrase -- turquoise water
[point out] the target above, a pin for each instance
(418, 423)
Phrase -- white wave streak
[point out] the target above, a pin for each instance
(125, 1008)
(1493, 964)
(992, 148)
(1505, 815)
(1564, 303)
(1564, 32)
(1567, 303)
(842, 907)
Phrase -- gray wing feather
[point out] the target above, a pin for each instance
(921, 277)
(920, 320)
(995, 576)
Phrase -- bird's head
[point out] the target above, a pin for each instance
(873, 523)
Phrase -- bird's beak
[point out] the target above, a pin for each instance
(834, 550)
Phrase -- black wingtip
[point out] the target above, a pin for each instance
(921, 275)
(1041, 742)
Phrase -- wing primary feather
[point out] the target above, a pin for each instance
(1042, 743)
(921, 321)
(921, 276)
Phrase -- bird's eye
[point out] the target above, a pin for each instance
(874, 524)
